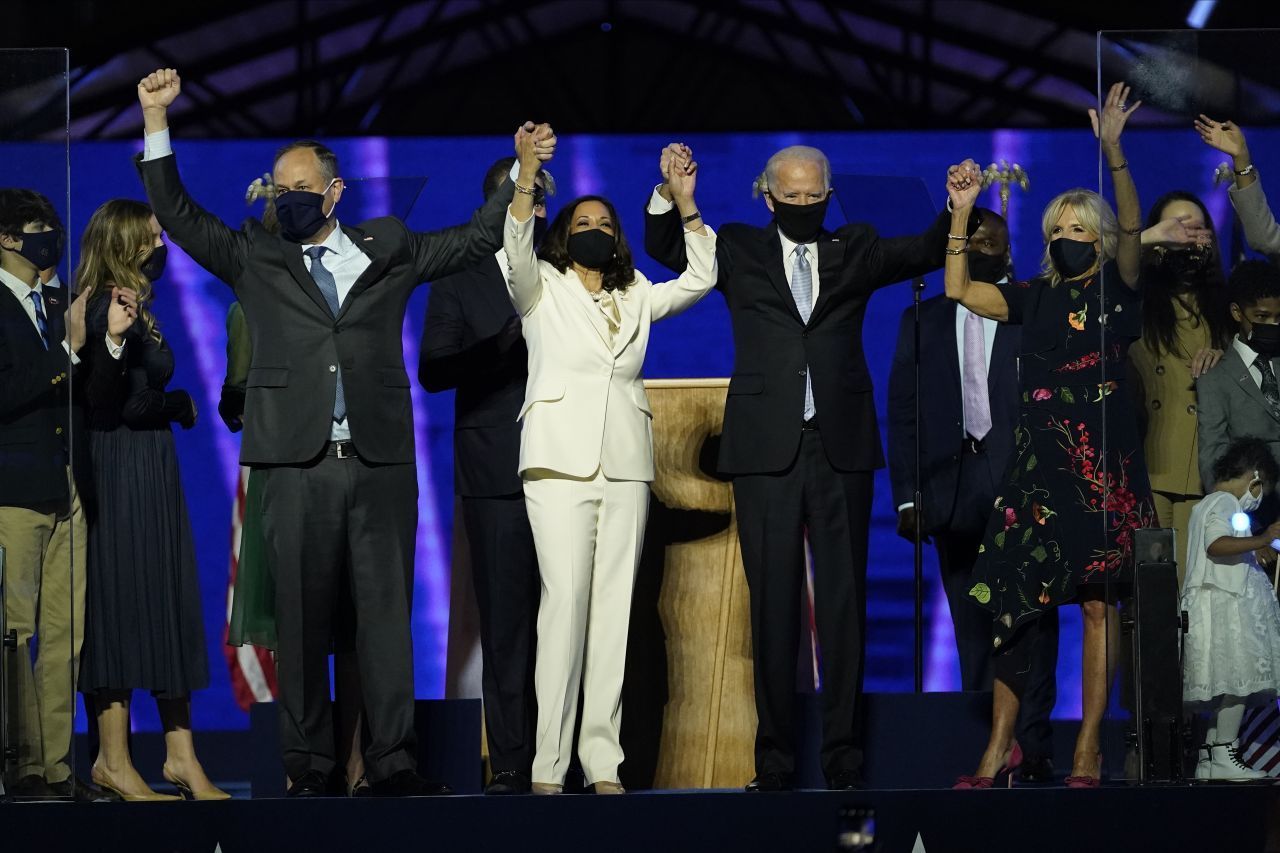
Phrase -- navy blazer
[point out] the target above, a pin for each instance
(471, 341)
(941, 411)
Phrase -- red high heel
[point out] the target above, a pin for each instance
(1086, 781)
(1005, 773)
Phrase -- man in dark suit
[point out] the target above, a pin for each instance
(471, 342)
(45, 494)
(968, 414)
(328, 417)
(800, 437)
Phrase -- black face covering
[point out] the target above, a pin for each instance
(1265, 340)
(301, 214)
(802, 223)
(1072, 258)
(1187, 264)
(540, 225)
(42, 248)
(153, 266)
(988, 268)
(592, 249)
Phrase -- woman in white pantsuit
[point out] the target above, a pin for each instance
(586, 451)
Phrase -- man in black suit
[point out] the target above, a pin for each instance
(45, 494)
(968, 414)
(328, 418)
(471, 342)
(800, 438)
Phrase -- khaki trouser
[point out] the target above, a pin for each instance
(44, 586)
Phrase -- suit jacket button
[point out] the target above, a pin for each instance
(58, 431)
(1159, 370)
(802, 372)
(1155, 404)
(333, 368)
(1191, 409)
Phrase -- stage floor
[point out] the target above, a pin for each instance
(1045, 820)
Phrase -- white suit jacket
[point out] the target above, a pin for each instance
(584, 406)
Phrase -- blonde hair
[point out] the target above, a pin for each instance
(1092, 212)
(803, 153)
(116, 241)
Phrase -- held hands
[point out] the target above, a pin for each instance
(1116, 110)
(159, 89)
(964, 183)
(1226, 136)
(121, 313)
(679, 171)
(535, 145)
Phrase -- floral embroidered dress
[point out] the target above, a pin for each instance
(1077, 488)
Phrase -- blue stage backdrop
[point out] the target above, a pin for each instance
(191, 306)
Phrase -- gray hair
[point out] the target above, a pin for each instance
(803, 153)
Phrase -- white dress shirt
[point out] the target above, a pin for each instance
(21, 291)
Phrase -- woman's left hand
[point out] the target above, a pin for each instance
(1116, 110)
(1204, 361)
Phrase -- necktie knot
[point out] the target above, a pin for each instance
(315, 252)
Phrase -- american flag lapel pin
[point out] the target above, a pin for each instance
(52, 300)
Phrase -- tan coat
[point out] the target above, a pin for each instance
(1167, 399)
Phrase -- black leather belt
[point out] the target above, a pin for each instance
(342, 450)
(810, 424)
(974, 445)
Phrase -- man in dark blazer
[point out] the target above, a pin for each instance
(45, 493)
(328, 417)
(801, 440)
(968, 414)
(471, 342)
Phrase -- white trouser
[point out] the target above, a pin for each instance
(588, 535)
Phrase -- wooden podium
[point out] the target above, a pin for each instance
(688, 713)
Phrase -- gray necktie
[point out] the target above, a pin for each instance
(802, 292)
(329, 289)
(1270, 388)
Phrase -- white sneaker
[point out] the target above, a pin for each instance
(1225, 765)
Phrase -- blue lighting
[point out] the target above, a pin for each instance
(1200, 12)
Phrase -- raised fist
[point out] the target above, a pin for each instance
(159, 89)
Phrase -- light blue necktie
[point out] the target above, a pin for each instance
(329, 288)
(42, 322)
(802, 292)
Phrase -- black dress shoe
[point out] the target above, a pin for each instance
(31, 787)
(846, 780)
(508, 782)
(407, 783)
(72, 788)
(765, 782)
(1036, 771)
(313, 783)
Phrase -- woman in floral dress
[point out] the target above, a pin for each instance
(1063, 526)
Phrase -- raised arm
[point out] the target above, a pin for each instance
(983, 298)
(699, 276)
(1108, 126)
(525, 282)
(1260, 229)
(214, 245)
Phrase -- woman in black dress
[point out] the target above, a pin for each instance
(144, 629)
(1077, 490)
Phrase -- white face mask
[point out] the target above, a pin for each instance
(1249, 501)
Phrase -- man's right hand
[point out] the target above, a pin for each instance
(156, 92)
(907, 525)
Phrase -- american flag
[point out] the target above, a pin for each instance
(1260, 738)
(253, 669)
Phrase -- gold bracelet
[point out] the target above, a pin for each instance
(525, 190)
(956, 251)
(964, 237)
(1119, 168)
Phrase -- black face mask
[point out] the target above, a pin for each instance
(43, 248)
(1264, 339)
(988, 268)
(802, 223)
(153, 266)
(1187, 264)
(540, 226)
(301, 214)
(592, 249)
(1072, 258)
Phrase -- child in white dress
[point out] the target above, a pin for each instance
(1231, 656)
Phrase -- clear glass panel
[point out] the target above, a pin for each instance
(42, 527)
(1201, 219)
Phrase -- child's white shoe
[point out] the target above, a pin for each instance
(1225, 765)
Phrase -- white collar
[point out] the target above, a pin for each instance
(17, 286)
(337, 242)
(789, 247)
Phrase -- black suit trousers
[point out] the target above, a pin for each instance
(504, 568)
(334, 522)
(775, 511)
